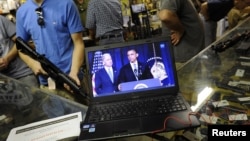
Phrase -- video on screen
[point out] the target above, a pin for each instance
(130, 68)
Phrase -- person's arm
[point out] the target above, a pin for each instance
(246, 10)
(77, 57)
(233, 17)
(204, 10)
(32, 63)
(172, 21)
(12, 54)
(8, 33)
(92, 34)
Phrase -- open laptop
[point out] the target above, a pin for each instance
(157, 54)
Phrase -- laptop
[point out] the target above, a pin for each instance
(157, 54)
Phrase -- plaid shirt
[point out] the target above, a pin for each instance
(104, 16)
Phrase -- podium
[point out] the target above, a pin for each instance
(141, 84)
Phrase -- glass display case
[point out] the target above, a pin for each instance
(222, 67)
(219, 73)
(216, 82)
(21, 105)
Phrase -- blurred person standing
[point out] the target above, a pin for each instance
(211, 12)
(10, 63)
(57, 35)
(238, 13)
(82, 8)
(105, 21)
(182, 23)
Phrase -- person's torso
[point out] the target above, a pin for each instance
(54, 38)
(16, 67)
(193, 39)
(108, 16)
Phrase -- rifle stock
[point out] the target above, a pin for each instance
(53, 71)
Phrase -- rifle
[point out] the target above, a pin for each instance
(222, 46)
(53, 71)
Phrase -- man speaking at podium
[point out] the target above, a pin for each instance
(134, 70)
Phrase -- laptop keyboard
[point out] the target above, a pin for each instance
(137, 108)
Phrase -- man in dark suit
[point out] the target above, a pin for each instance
(134, 70)
(106, 78)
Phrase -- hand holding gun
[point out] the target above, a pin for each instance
(53, 71)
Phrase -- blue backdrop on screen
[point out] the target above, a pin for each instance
(147, 54)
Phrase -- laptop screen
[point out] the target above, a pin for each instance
(136, 66)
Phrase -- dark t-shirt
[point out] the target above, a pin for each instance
(192, 41)
(218, 9)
